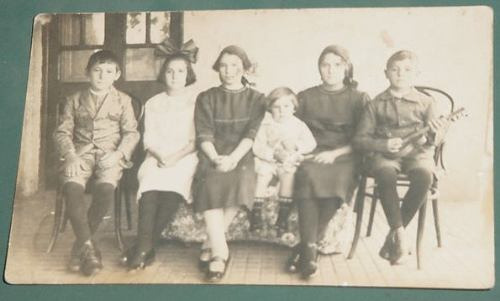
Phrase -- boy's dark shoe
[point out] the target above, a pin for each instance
(256, 220)
(141, 260)
(282, 220)
(293, 262)
(308, 260)
(90, 259)
(74, 263)
(400, 252)
(388, 248)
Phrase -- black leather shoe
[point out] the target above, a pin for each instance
(400, 252)
(141, 260)
(90, 260)
(128, 254)
(204, 259)
(217, 275)
(74, 259)
(388, 247)
(309, 261)
(293, 262)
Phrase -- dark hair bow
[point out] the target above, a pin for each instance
(167, 49)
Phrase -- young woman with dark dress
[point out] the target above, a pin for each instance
(331, 110)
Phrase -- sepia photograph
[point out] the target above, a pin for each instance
(306, 147)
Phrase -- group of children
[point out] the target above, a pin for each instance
(312, 142)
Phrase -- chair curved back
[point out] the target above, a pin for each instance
(443, 96)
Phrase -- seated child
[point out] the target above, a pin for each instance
(96, 136)
(279, 147)
(396, 112)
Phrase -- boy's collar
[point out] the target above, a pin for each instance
(111, 90)
(413, 95)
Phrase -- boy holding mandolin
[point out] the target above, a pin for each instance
(389, 129)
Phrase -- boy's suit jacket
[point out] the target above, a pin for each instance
(83, 127)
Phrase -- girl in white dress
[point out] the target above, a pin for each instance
(166, 174)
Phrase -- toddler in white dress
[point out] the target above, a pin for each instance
(279, 147)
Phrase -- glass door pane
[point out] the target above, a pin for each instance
(136, 28)
(94, 29)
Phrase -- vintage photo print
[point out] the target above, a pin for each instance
(335, 147)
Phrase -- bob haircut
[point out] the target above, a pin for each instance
(233, 50)
(190, 77)
(103, 56)
(277, 93)
(400, 56)
(344, 54)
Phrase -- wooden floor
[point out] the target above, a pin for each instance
(464, 261)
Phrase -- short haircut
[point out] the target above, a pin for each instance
(103, 56)
(190, 77)
(400, 56)
(277, 93)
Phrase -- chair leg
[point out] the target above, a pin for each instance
(420, 233)
(128, 211)
(118, 217)
(358, 206)
(372, 213)
(59, 218)
(435, 211)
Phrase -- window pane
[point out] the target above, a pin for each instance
(94, 29)
(141, 64)
(160, 26)
(69, 28)
(136, 28)
(72, 65)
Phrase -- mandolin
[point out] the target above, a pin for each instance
(410, 139)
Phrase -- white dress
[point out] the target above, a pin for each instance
(168, 127)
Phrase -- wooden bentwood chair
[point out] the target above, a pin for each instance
(403, 181)
(123, 192)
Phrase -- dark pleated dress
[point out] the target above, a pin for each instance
(332, 118)
(225, 117)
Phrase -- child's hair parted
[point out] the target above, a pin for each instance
(344, 54)
(190, 77)
(401, 55)
(277, 93)
(103, 56)
(239, 52)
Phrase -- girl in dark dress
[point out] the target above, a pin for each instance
(226, 120)
(322, 183)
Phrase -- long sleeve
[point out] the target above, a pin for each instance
(128, 129)
(204, 120)
(364, 138)
(63, 136)
(256, 115)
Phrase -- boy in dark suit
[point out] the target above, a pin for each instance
(394, 113)
(96, 136)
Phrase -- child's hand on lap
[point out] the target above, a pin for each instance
(73, 165)
(393, 145)
(110, 159)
